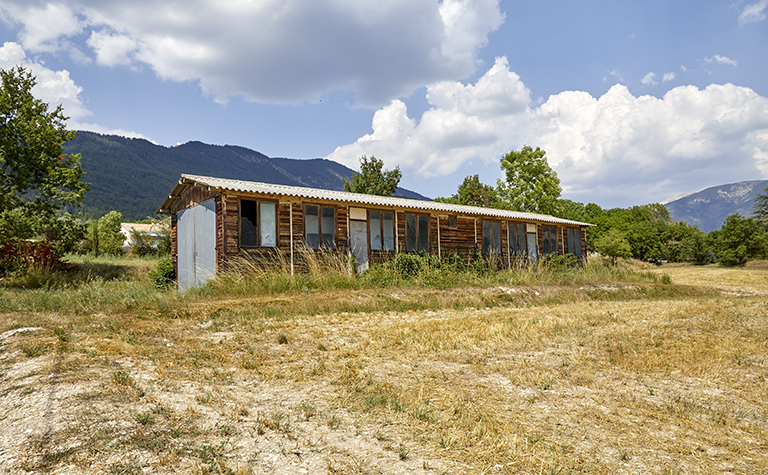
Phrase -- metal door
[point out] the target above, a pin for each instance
(359, 244)
(196, 244)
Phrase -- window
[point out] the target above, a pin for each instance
(388, 230)
(416, 233)
(382, 231)
(574, 242)
(452, 222)
(319, 226)
(550, 240)
(257, 224)
(491, 237)
(517, 245)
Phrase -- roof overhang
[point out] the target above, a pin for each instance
(256, 188)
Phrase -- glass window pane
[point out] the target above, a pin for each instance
(512, 239)
(553, 240)
(487, 238)
(577, 241)
(311, 227)
(424, 233)
(570, 241)
(328, 227)
(545, 235)
(268, 224)
(388, 231)
(496, 237)
(249, 231)
(410, 232)
(374, 225)
(521, 244)
(452, 222)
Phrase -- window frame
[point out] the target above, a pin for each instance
(493, 248)
(259, 224)
(547, 233)
(418, 244)
(574, 241)
(320, 233)
(517, 238)
(382, 242)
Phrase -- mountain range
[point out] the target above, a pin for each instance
(708, 208)
(133, 176)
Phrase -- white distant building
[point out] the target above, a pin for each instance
(154, 231)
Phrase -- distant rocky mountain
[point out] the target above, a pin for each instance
(134, 175)
(708, 209)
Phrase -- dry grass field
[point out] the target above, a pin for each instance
(635, 377)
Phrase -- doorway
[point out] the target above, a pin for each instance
(196, 245)
(359, 244)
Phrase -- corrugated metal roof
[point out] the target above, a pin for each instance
(240, 186)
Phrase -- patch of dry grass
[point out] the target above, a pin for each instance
(607, 377)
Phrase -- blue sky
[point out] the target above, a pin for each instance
(634, 102)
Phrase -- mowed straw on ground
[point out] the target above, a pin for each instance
(598, 382)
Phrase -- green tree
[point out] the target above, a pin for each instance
(572, 210)
(36, 178)
(741, 239)
(697, 248)
(473, 192)
(761, 208)
(372, 179)
(613, 244)
(531, 185)
(111, 240)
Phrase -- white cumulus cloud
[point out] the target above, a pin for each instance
(112, 49)
(753, 12)
(273, 51)
(669, 77)
(617, 148)
(54, 88)
(649, 79)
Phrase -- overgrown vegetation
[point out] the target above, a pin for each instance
(464, 379)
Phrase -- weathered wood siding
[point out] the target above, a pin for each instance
(174, 244)
(231, 225)
(194, 196)
(465, 238)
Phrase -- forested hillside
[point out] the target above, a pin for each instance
(133, 175)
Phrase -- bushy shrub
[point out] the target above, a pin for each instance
(143, 245)
(560, 262)
(165, 275)
(410, 265)
(21, 255)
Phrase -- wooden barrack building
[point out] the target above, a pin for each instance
(214, 220)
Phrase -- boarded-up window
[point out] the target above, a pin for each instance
(517, 245)
(257, 224)
(491, 237)
(416, 233)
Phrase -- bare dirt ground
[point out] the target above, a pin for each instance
(657, 385)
